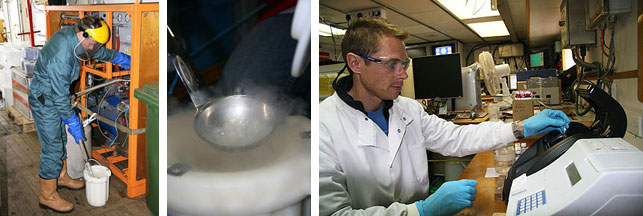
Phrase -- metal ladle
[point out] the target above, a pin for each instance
(231, 122)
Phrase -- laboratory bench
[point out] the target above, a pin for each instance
(485, 203)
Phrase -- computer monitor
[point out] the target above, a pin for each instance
(416, 52)
(437, 76)
(443, 49)
(537, 59)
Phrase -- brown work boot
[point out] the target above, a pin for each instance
(49, 198)
(65, 181)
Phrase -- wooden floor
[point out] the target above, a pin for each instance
(19, 184)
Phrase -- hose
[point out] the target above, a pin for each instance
(578, 98)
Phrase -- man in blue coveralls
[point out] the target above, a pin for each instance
(57, 67)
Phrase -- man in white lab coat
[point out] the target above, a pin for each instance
(373, 142)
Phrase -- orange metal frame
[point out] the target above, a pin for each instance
(135, 186)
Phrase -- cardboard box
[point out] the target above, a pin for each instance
(522, 85)
(522, 109)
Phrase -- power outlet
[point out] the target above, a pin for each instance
(371, 12)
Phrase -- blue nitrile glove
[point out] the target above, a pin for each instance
(122, 60)
(75, 128)
(449, 199)
(545, 121)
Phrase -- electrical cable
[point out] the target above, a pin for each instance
(582, 63)
(332, 35)
(99, 109)
(115, 125)
(578, 100)
(603, 43)
(602, 35)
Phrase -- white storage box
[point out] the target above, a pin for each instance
(7, 93)
(6, 77)
(10, 56)
(19, 78)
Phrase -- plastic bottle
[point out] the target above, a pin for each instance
(503, 159)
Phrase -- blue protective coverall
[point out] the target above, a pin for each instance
(49, 96)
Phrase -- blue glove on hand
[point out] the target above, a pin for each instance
(122, 60)
(75, 128)
(449, 199)
(545, 121)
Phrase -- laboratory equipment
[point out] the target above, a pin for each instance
(537, 59)
(224, 122)
(597, 11)
(443, 49)
(610, 121)
(112, 103)
(138, 26)
(437, 77)
(572, 23)
(494, 78)
(273, 177)
(470, 99)
(545, 90)
(503, 159)
(525, 75)
(600, 176)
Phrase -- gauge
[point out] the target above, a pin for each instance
(119, 17)
(126, 17)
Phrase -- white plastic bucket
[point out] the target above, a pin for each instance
(97, 185)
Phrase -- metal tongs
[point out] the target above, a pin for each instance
(84, 149)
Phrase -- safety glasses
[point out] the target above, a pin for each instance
(390, 65)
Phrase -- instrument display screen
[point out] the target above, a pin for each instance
(573, 174)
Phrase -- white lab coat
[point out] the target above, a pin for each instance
(364, 172)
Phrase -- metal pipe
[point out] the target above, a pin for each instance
(82, 143)
(33, 43)
(120, 127)
(86, 91)
(67, 16)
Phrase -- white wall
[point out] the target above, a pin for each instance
(624, 90)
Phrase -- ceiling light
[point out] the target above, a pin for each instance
(467, 9)
(490, 29)
(325, 30)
